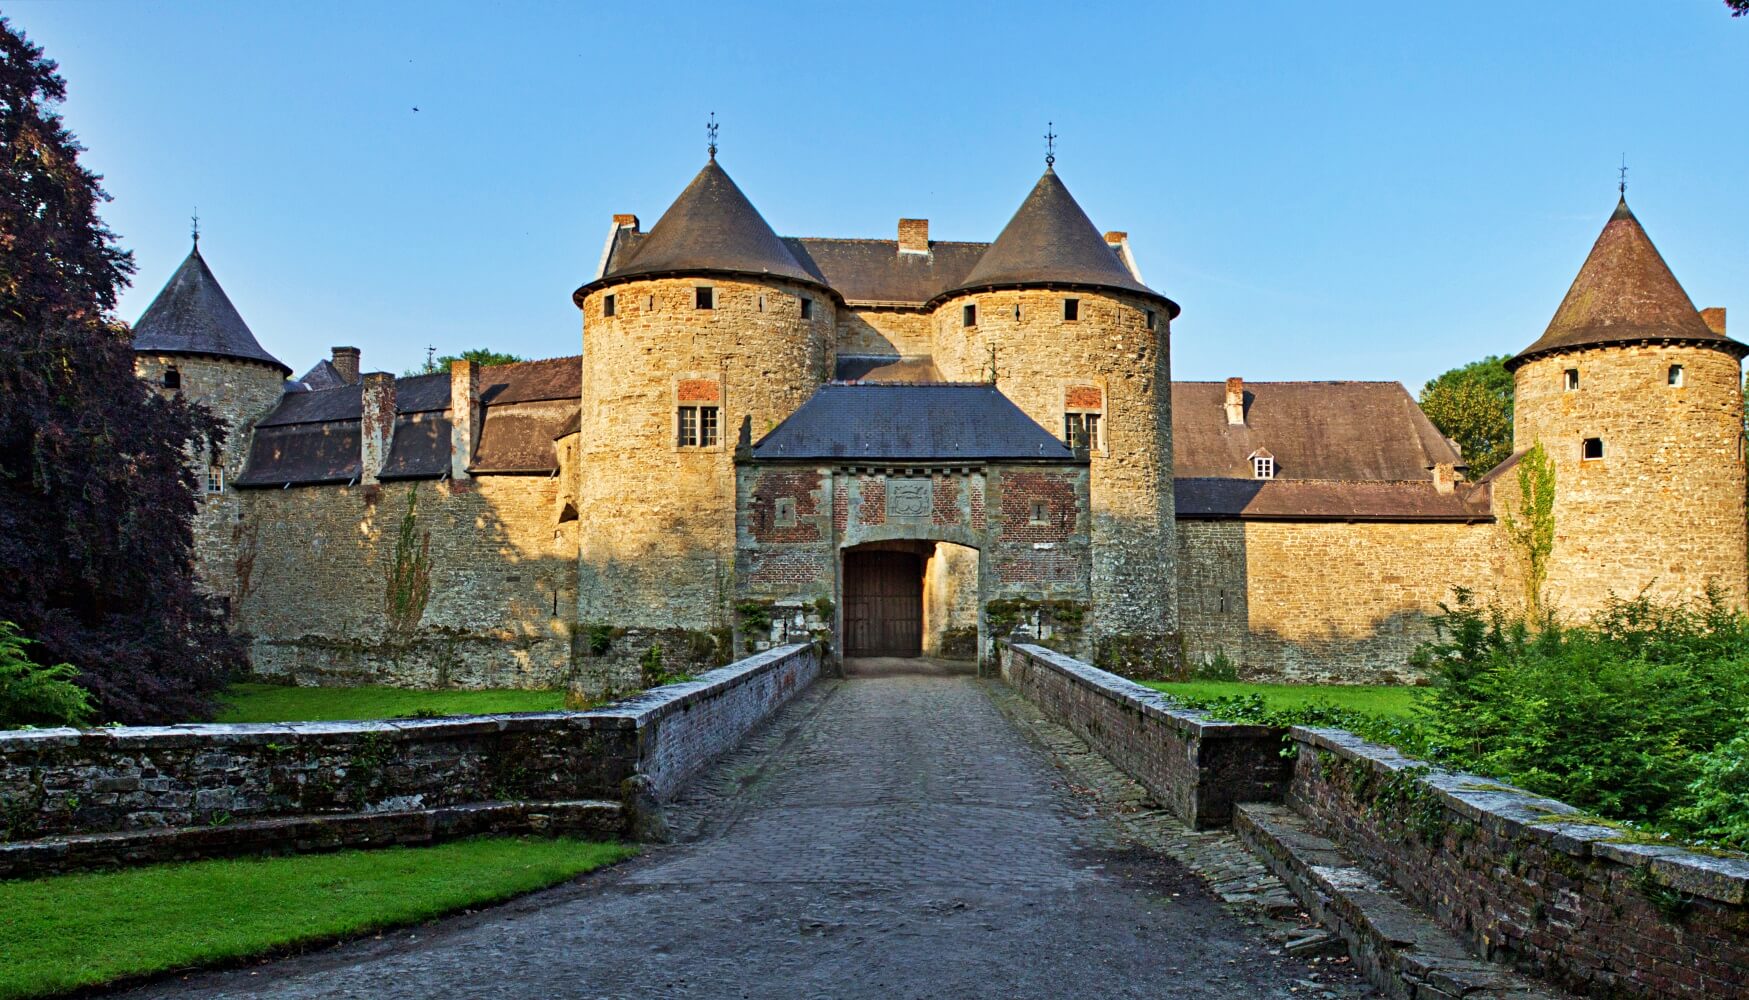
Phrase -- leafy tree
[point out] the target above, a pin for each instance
(1472, 405)
(96, 497)
(479, 355)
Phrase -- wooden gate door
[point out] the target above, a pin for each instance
(883, 604)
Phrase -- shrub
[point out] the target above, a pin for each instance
(31, 693)
(1720, 807)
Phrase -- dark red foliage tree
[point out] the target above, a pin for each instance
(96, 499)
(1739, 8)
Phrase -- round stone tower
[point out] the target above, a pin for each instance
(1638, 400)
(192, 342)
(703, 333)
(1055, 314)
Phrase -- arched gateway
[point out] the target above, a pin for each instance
(909, 518)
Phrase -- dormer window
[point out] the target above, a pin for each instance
(1674, 377)
(1570, 379)
(969, 315)
(172, 378)
(1071, 310)
(1262, 465)
(705, 297)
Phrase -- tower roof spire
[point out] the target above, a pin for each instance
(710, 132)
(193, 315)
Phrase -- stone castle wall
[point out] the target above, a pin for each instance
(1110, 361)
(1343, 602)
(885, 332)
(1663, 509)
(657, 552)
(311, 569)
(238, 393)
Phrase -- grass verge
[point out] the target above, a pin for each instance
(1392, 702)
(276, 703)
(64, 932)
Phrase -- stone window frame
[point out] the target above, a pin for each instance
(1676, 376)
(1102, 446)
(1570, 379)
(783, 512)
(704, 297)
(969, 316)
(1071, 309)
(1152, 318)
(677, 405)
(807, 307)
(1040, 512)
(172, 377)
(609, 306)
(215, 479)
(1586, 449)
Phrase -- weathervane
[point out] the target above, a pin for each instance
(1050, 144)
(710, 131)
(195, 227)
(1623, 186)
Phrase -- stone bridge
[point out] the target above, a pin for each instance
(913, 830)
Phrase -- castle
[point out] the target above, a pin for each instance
(914, 446)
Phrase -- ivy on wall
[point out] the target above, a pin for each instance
(409, 584)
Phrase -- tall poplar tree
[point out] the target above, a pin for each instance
(96, 495)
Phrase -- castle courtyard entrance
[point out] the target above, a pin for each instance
(883, 602)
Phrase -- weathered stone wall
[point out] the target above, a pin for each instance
(1198, 768)
(658, 551)
(885, 332)
(76, 798)
(1109, 360)
(950, 602)
(239, 393)
(1663, 509)
(1526, 881)
(1342, 602)
(311, 571)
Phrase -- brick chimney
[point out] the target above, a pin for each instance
(1236, 401)
(913, 235)
(1116, 237)
(1714, 319)
(625, 220)
(464, 416)
(376, 426)
(1445, 477)
(345, 361)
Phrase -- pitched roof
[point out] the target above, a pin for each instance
(322, 375)
(1299, 500)
(710, 228)
(193, 315)
(869, 368)
(1050, 241)
(1624, 293)
(957, 422)
(1333, 431)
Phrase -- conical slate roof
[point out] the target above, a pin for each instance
(192, 315)
(1050, 241)
(710, 228)
(1624, 293)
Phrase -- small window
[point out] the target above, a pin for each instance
(607, 305)
(1041, 512)
(698, 427)
(1071, 309)
(784, 515)
(761, 303)
(1593, 448)
(807, 308)
(1571, 378)
(1263, 466)
(172, 378)
(1150, 314)
(1675, 375)
(969, 315)
(649, 303)
(1081, 430)
(215, 479)
(706, 298)
(1017, 311)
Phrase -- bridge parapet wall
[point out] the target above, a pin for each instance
(1197, 767)
(84, 798)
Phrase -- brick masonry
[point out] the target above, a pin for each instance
(156, 788)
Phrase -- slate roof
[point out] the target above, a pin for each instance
(1336, 431)
(710, 228)
(193, 315)
(1624, 293)
(323, 375)
(952, 422)
(1050, 241)
(1310, 500)
(909, 368)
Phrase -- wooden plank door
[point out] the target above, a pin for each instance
(883, 604)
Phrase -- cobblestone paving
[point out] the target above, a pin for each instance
(890, 835)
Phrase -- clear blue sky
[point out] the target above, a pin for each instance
(1354, 190)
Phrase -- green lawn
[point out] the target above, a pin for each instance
(66, 931)
(1379, 700)
(274, 703)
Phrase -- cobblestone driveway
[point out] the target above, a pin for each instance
(891, 835)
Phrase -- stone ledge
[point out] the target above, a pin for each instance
(298, 834)
(1402, 952)
(1514, 812)
(1146, 700)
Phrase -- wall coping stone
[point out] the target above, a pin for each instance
(1514, 812)
(1123, 691)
